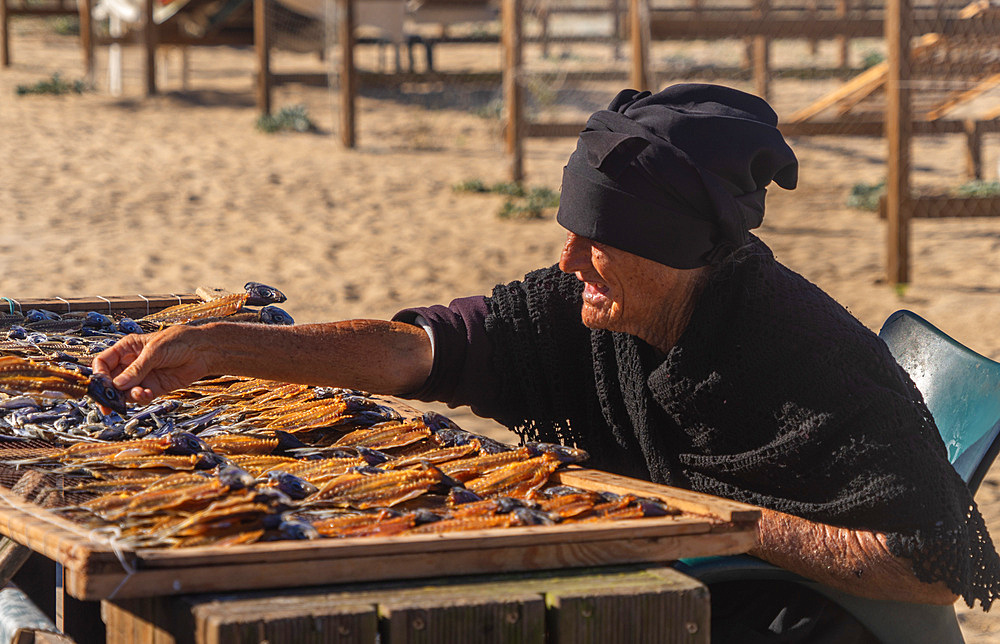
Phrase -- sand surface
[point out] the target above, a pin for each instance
(106, 196)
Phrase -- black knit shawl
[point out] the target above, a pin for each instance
(774, 395)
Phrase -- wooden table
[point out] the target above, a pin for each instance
(609, 605)
(603, 582)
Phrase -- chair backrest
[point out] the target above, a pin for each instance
(961, 389)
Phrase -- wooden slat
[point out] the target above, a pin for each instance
(40, 11)
(443, 617)
(110, 303)
(656, 604)
(50, 535)
(859, 85)
(693, 502)
(341, 623)
(940, 207)
(673, 612)
(671, 28)
(486, 559)
(957, 99)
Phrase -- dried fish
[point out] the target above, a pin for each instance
(20, 376)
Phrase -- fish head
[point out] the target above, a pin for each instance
(563, 453)
(437, 422)
(261, 294)
(271, 314)
(234, 477)
(297, 529)
(103, 391)
(39, 315)
(460, 495)
(185, 443)
(95, 320)
(128, 325)
(295, 487)
(422, 516)
(372, 456)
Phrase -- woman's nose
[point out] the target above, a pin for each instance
(575, 254)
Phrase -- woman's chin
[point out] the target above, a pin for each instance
(594, 317)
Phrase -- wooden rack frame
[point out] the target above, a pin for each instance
(95, 569)
(7, 11)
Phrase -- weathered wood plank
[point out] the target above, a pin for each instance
(442, 617)
(339, 623)
(944, 206)
(522, 607)
(288, 574)
(138, 304)
(676, 611)
(683, 499)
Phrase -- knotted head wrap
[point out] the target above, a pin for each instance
(677, 177)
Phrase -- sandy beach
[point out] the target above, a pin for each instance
(103, 195)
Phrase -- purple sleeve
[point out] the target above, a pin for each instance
(463, 372)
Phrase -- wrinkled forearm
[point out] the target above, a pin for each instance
(374, 355)
(854, 561)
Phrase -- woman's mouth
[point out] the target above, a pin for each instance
(595, 294)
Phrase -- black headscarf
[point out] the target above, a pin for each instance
(677, 177)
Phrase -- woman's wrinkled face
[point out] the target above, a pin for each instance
(627, 293)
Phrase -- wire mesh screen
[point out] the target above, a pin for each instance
(427, 73)
(575, 58)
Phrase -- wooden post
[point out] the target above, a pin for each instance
(512, 95)
(812, 10)
(348, 75)
(4, 34)
(973, 150)
(542, 16)
(761, 53)
(12, 557)
(843, 42)
(149, 38)
(86, 38)
(616, 17)
(640, 34)
(898, 131)
(262, 45)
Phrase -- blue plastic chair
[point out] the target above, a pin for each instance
(962, 392)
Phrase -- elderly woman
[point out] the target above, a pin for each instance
(672, 346)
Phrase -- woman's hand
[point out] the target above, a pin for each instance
(149, 365)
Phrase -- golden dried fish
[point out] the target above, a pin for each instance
(521, 480)
(384, 489)
(232, 444)
(469, 468)
(259, 464)
(321, 470)
(386, 435)
(180, 443)
(433, 456)
(570, 505)
(20, 376)
(324, 414)
(171, 462)
(181, 313)
(230, 537)
(478, 522)
(335, 526)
